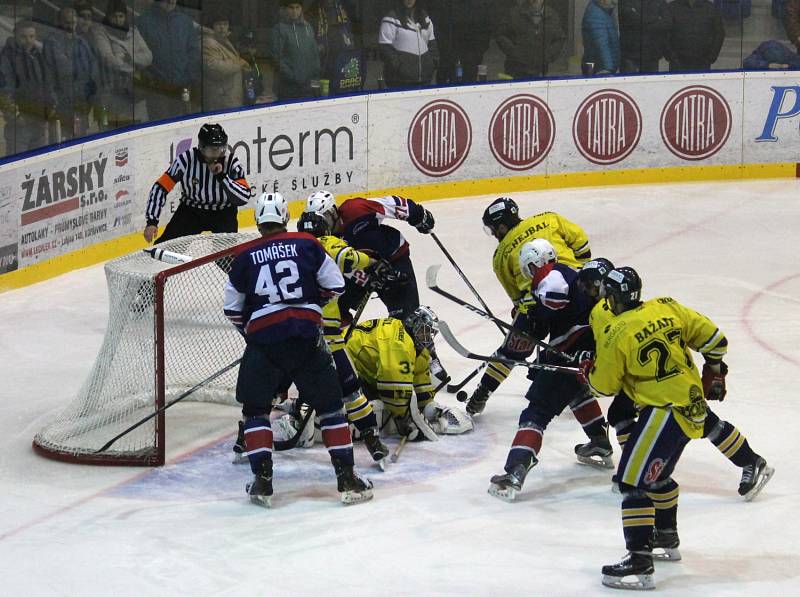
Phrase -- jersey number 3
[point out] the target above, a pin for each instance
(286, 288)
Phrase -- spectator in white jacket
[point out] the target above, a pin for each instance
(408, 46)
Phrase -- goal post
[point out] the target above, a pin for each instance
(166, 333)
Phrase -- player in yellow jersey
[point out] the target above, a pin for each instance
(501, 220)
(359, 410)
(644, 350)
(392, 359)
(731, 442)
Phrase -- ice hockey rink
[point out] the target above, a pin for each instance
(728, 250)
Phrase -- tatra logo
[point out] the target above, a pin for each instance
(439, 138)
(696, 123)
(521, 132)
(607, 127)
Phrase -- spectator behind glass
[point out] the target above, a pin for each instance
(695, 36)
(175, 44)
(122, 54)
(408, 46)
(339, 55)
(222, 66)
(293, 48)
(643, 30)
(531, 37)
(601, 53)
(253, 79)
(26, 98)
(772, 55)
(74, 68)
(792, 22)
(463, 32)
(85, 22)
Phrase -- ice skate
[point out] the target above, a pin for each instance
(477, 402)
(596, 452)
(506, 487)
(239, 451)
(353, 488)
(665, 545)
(260, 489)
(635, 564)
(377, 449)
(754, 477)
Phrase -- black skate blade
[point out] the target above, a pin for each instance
(643, 582)
(765, 477)
(600, 462)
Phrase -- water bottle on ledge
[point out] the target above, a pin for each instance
(185, 95)
(459, 72)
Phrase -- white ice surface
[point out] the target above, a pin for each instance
(728, 250)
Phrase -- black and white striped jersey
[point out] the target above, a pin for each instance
(200, 188)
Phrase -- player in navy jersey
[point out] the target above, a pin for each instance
(359, 222)
(557, 305)
(274, 296)
(213, 186)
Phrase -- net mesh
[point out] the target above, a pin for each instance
(123, 386)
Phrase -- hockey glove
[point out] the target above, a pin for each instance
(426, 224)
(384, 277)
(585, 361)
(714, 381)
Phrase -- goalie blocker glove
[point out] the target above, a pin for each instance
(714, 380)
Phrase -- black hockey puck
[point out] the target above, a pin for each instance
(462, 396)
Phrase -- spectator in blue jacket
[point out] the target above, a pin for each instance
(772, 55)
(293, 49)
(74, 70)
(601, 52)
(174, 40)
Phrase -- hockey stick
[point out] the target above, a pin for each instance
(158, 411)
(430, 279)
(465, 352)
(359, 310)
(418, 421)
(282, 445)
(464, 277)
(455, 387)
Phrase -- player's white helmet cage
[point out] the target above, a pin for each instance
(534, 255)
(272, 208)
(423, 325)
(323, 203)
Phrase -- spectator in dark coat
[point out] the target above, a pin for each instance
(463, 32)
(643, 30)
(792, 22)
(772, 55)
(601, 53)
(75, 74)
(26, 97)
(338, 48)
(122, 55)
(408, 46)
(530, 35)
(174, 40)
(696, 35)
(293, 49)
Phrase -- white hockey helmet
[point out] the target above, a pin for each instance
(272, 208)
(534, 255)
(323, 203)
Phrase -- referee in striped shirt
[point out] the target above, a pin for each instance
(213, 187)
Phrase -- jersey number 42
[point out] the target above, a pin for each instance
(286, 287)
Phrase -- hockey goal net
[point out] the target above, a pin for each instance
(166, 334)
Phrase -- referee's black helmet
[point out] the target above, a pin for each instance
(212, 135)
